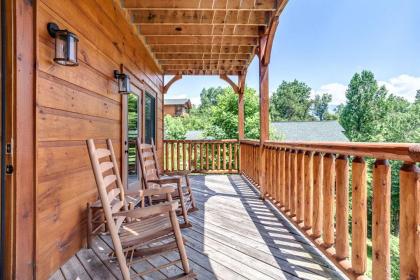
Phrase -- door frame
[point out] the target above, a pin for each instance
(20, 91)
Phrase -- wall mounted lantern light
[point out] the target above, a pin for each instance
(65, 45)
(124, 86)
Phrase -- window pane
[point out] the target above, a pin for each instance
(133, 133)
(150, 123)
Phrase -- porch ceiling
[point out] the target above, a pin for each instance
(203, 37)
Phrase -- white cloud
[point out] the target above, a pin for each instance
(403, 85)
(338, 92)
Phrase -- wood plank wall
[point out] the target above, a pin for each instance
(76, 103)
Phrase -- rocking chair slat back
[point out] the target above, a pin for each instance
(110, 206)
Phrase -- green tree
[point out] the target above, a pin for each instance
(320, 106)
(208, 97)
(223, 117)
(362, 115)
(174, 128)
(291, 102)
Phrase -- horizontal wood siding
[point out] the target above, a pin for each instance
(76, 103)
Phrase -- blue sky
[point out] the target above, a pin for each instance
(323, 43)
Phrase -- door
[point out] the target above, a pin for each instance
(131, 168)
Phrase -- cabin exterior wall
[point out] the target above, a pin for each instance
(77, 103)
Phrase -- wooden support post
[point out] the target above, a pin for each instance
(359, 216)
(342, 207)
(381, 259)
(241, 107)
(409, 229)
(264, 109)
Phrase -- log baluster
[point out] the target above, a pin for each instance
(189, 155)
(359, 214)
(278, 176)
(381, 209)
(409, 227)
(173, 156)
(218, 156)
(293, 183)
(318, 179)
(342, 207)
(300, 175)
(308, 189)
(328, 194)
(224, 156)
(282, 177)
(287, 181)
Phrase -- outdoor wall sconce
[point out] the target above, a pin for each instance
(65, 45)
(124, 86)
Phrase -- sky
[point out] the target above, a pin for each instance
(323, 43)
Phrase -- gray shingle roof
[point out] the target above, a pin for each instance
(176, 101)
(310, 131)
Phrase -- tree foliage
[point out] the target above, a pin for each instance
(362, 115)
(291, 101)
(320, 106)
(175, 128)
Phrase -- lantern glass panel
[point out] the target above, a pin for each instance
(127, 85)
(72, 49)
(60, 48)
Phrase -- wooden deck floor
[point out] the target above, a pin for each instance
(234, 236)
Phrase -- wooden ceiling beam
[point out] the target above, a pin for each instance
(200, 4)
(202, 62)
(199, 18)
(174, 24)
(257, 9)
(204, 72)
(203, 49)
(201, 56)
(216, 40)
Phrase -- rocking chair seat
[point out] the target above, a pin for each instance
(142, 231)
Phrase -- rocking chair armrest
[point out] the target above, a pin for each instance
(167, 180)
(145, 212)
(177, 173)
(157, 191)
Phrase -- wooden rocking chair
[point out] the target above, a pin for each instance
(136, 233)
(153, 177)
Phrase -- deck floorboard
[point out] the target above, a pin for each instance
(235, 235)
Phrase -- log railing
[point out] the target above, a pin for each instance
(201, 156)
(311, 183)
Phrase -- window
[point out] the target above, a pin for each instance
(150, 119)
(133, 133)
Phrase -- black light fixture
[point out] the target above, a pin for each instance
(124, 86)
(65, 45)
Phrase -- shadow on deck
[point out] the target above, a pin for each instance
(235, 235)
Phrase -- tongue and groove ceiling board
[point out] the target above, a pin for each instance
(203, 37)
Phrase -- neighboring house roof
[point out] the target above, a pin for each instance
(183, 101)
(310, 131)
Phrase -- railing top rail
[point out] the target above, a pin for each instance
(389, 151)
(202, 141)
(250, 142)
